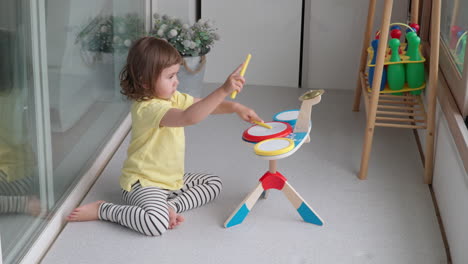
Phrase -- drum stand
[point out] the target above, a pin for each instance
(272, 179)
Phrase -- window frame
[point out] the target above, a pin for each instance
(452, 91)
(457, 82)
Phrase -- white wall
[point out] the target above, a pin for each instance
(268, 29)
(183, 9)
(451, 190)
(450, 184)
(333, 34)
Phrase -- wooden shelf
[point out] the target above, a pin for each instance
(388, 109)
(387, 90)
(401, 111)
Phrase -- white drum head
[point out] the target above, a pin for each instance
(287, 116)
(274, 146)
(259, 131)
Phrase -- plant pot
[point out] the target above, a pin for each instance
(191, 75)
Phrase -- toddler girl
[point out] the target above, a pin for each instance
(154, 184)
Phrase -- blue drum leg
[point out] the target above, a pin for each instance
(309, 215)
(245, 207)
(304, 210)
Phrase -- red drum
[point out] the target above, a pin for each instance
(258, 133)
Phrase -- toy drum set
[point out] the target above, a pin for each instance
(289, 130)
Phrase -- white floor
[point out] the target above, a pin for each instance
(388, 218)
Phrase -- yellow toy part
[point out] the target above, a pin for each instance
(242, 72)
(263, 124)
(274, 146)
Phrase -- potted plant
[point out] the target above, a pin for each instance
(104, 42)
(107, 34)
(193, 42)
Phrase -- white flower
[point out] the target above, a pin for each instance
(160, 32)
(209, 23)
(186, 43)
(121, 30)
(127, 43)
(155, 15)
(192, 44)
(172, 33)
(163, 26)
(103, 29)
(185, 26)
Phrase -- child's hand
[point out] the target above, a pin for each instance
(234, 82)
(247, 114)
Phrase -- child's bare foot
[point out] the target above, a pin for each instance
(174, 218)
(33, 206)
(87, 212)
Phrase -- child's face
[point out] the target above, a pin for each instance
(167, 82)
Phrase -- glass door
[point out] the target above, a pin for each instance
(23, 198)
(60, 102)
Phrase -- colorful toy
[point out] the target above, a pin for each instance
(242, 72)
(396, 33)
(454, 36)
(460, 48)
(375, 45)
(395, 72)
(289, 116)
(415, 27)
(272, 144)
(414, 71)
(262, 124)
(395, 75)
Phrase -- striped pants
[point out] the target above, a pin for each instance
(147, 207)
(14, 195)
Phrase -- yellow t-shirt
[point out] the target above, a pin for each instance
(155, 156)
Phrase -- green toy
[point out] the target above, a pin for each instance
(461, 53)
(414, 71)
(395, 72)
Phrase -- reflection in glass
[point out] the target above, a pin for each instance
(21, 206)
(454, 29)
(86, 44)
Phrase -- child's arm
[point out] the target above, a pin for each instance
(225, 107)
(245, 113)
(201, 109)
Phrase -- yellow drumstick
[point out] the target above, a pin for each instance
(263, 124)
(242, 72)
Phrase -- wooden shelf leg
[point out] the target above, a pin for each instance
(372, 111)
(432, 91)
(415, 11)
(365, 44)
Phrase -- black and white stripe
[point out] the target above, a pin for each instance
(14, 195)
(199, 189)
(147, 209)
